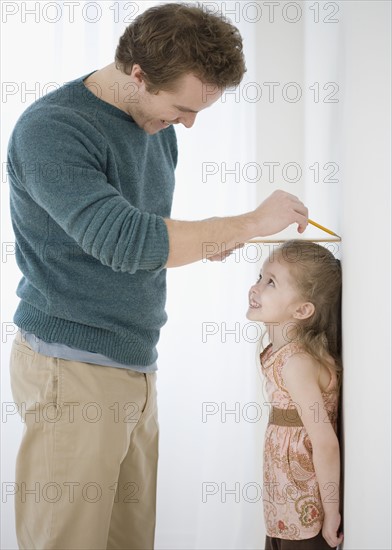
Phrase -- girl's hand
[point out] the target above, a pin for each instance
(330, 530)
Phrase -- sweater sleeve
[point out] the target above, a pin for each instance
(60, 162)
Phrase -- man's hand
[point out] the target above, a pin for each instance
(278, 211)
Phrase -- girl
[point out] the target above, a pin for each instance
(297, 297)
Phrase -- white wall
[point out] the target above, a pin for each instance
(347, 51)
(366, 229)
(354, 134)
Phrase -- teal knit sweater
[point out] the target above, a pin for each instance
(88, 193)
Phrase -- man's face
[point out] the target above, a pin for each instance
(155, 112)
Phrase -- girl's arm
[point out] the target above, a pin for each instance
(300, 379)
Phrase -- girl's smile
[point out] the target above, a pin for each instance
(253, 304)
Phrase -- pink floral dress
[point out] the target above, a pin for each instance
(291, 497)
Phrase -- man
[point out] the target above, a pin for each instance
(92, 177)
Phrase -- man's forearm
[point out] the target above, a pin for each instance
(190, 241)
(195, 240)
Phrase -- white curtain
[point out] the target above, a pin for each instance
(280, 129)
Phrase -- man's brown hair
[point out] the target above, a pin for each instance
(170, 40)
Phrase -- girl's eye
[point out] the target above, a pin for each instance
(259, 279)
(271, 282)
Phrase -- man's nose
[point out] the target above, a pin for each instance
(188, 120)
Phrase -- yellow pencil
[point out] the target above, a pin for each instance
(322, 228)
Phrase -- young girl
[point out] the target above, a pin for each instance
(297, 297)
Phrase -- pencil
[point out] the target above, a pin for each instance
(322, 228)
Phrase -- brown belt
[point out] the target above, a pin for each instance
(285, 417)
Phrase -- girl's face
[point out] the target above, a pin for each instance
(274, 298)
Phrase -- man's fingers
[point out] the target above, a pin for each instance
(302, 225)
(222, 255)
(299, 208)
(303, 217)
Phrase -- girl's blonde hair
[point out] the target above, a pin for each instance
(317, 275)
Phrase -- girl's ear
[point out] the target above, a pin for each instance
(304, 311)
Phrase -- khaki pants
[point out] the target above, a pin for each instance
(87, 464)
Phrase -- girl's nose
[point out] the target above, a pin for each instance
(253, 289)
(257, 289)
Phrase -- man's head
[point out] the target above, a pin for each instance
(172, 40)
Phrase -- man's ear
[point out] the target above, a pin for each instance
(137, 74)
(304, 311)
